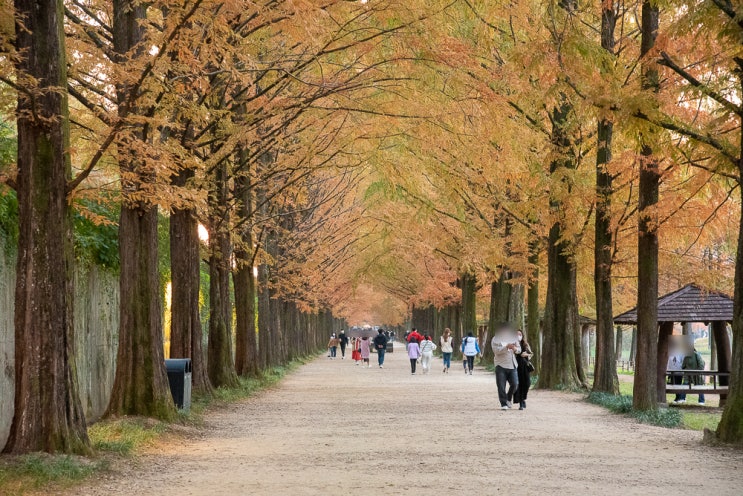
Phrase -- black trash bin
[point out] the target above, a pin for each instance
(389, 346)
(179, 377)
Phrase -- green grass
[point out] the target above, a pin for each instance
(21, 474)
(622, 404)
(700, 421)
(125, 436)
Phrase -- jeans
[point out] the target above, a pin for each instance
(333, 350)
(380, 356)
(426, 361)
(413, 361)
(501, 377)
(471, 362)
(447, 360)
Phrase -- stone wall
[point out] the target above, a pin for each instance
(96, 338)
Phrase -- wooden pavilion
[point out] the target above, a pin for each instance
(686, 305)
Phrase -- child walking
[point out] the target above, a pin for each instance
(414, 353)
(427, 347)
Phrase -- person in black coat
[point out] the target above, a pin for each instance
(380, 344)
(343, 341)
(524, 375)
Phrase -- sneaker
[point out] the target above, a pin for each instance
(504, 407)
(701, 402)
(470, 372)
(509, 404)
(381, 366)
(521, 407)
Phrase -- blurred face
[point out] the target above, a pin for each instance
(519, 336)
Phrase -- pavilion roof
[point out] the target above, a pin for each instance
(688, 304)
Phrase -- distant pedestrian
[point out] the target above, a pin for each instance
(427, 348)
(380, 344)
(523, 371)
(447, 349)
(414, 353)
(415, 336)
(470, 349)
(343, 342)
(505, 348)
(365, 348)
(675, 360)
(332, 346)
(356, 353)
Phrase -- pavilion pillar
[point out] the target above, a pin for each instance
(724, 352)
(664, 336)
(618, 348)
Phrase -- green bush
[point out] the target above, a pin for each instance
(622, 404)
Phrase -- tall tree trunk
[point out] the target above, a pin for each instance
(644, 392)
(141, 384)
(246, 347)
(605, 370)
(533, 331)
(469, 304)
(618, 349)
(220, 363)
(47, 414)
(185, 268)
(560, 352)
(730, 428)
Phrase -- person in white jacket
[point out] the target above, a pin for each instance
(505, 348)
(447, 349)
(427, 348)
(470, 349)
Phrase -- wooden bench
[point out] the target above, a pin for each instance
(718, 384)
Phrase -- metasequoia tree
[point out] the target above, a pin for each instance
(644, 389)
(47, 414)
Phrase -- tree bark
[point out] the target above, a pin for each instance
(141, 384)
(644, 392)
(47, 414)
(185, 268)
(469, 304)
(560, 352)
(533, 331)
(246, 347)
(220, 365)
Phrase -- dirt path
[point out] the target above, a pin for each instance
(335, 428)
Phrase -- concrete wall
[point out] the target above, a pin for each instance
(96, 338)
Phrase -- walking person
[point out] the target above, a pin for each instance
(356, 353)
(523, 371)
(447, 349)
(427, 348)
(414, 353)
(470, 349)
(343, 342)
(365, 349)
(380, 344)
(332, 346)
(505, 348)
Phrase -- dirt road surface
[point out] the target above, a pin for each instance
(334, 428)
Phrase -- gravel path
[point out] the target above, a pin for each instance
(336, 428)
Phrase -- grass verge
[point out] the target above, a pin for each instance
(622, 404)
(21, 474)
(116, 439)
